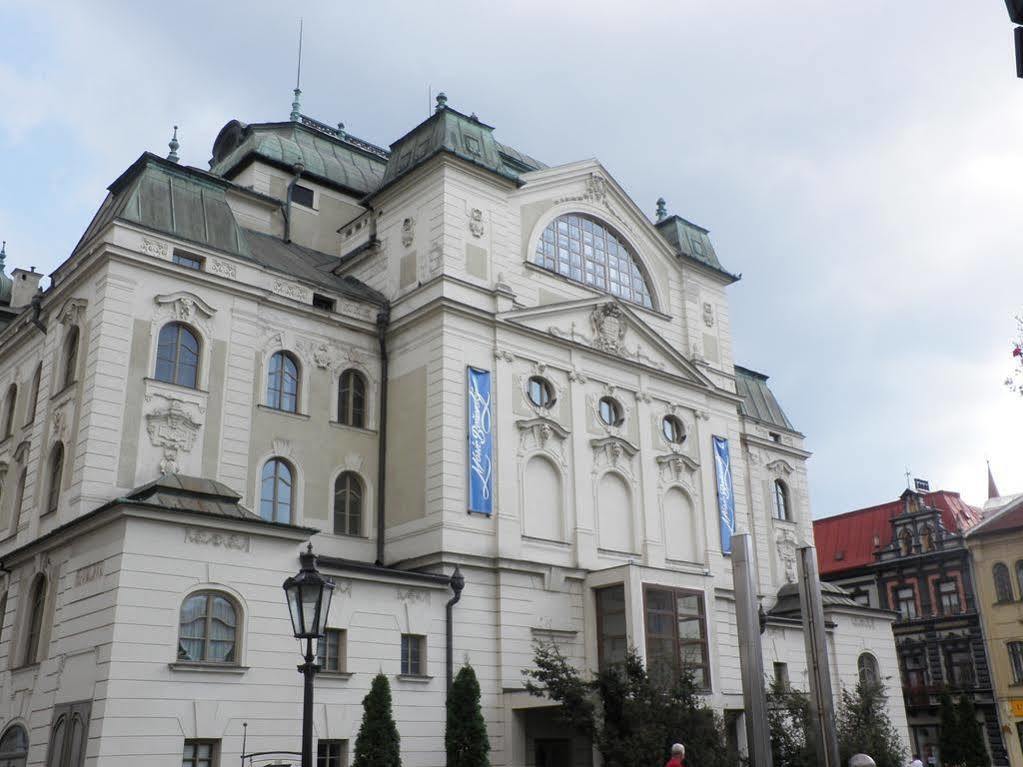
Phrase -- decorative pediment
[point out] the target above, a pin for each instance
(72, 312)
(780, 466)
(542, 434)
(613, 451)
(185, 306)
(677, 466)
(608, 326)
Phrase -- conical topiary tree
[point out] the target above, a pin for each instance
(378, 743)
(465, 738)
(949, 743)
(973, 752)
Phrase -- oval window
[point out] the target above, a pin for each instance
(611, 411)
(540, 392)
(673, 430)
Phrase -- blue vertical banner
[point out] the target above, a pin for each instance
(481, 441)
(726, 495)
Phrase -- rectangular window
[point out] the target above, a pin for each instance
(906, 599)
(781, 675)
(676, 634)
(413, 654)
(862, 598)
(302, 195)
(323, 302)
(611, 638)
(187, 260)
(948, 593)
(331, 651)
(332, 753)
(1016, 661)
(960, 668)
(200, 753)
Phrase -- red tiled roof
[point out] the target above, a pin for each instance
(847, 541)
(1009, 518)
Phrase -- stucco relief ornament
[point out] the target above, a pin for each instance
(174, 430)
(72, 312)
(476, 222)
(408, 231)
(786, 542)
(596, 188)
(608, 322)
(708, 314)
(184, 307)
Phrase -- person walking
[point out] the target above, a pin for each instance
(678, 756)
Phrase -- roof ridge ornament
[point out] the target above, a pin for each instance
(173, 144)
(3, 254)
(442, 101)
(296, 105)
(662, 209)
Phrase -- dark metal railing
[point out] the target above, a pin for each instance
(272, 759)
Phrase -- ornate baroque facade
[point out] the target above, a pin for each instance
(235, 361)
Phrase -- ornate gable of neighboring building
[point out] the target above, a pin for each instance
(609, 326)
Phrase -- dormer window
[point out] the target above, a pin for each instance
(187, 260)
(585, 250)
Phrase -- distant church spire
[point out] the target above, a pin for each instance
(992, 488)
(173, 144)
(296, 105)
(3, 254)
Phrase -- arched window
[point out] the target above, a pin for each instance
(282, 383)
(348, 497)
(14, 747)
(275, 496)
(351, 399)
(927, 539)
(177, 356)
(1019, 577)
(586, 250)
(19, 498)
(1003, 583)
(33, 395)
(70, 356)
(36, 606)
(905, 542)
(56, 474)
(540, 392)
(9, 404)
(610, 411)
(208, 629)
(867, 666)
(782, 506)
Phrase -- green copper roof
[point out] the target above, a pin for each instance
(758, 400)
(450, 131)
(690, 240)
(328, 154)
(6, 283)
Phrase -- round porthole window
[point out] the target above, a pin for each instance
(540, 392)
(611, 412)
(673, 430)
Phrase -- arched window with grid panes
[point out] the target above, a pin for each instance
(177, 355)
(208, 629)
(351, 399)
(348, 502)
(276, 493)
(584, 249)
(282, 382)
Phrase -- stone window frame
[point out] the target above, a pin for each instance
(239, 628)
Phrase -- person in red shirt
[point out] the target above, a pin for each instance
(678, 756)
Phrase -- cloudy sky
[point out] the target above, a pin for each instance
(858, 163)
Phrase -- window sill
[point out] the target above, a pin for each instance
(418, 678)
(343, 676)
(208, 668)
(179, 387)
(69, 386)
(278, 411)
(25, 667)
(349, 427)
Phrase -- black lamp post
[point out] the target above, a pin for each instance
(308, 596)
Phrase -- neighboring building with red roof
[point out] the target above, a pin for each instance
(910, 556)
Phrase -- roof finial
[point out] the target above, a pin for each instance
(992, 488)
(3, 254)
(173, 144)
(296, 106)
(442, 101)
(662, 209)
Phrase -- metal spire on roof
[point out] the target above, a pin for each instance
(442, 101)
(173, 144)
(3, 254)
(662, 209)
(296, 106)
(992, 488)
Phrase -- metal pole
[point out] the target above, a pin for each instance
(822, 704)
(308, 670)
(751, 657)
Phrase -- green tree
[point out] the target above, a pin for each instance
(972, 751)
(631, 717)
(949, 743)
(788, 716)
(465, 737)
(378, 743)
(864, 726)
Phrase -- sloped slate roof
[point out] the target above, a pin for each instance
(758, 400)
(831, 596)
(1009, 517)
(352, 164)
(206, 496)
(846, 541)
(692, 241)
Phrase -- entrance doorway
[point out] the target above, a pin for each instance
(552, 752)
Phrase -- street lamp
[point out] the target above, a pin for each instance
(308, 595)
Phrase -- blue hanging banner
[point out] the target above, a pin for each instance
(481, 442)
(726, 496)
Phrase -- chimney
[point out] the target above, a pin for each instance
(26, 283)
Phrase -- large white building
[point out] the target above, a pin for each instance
(235, 361)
